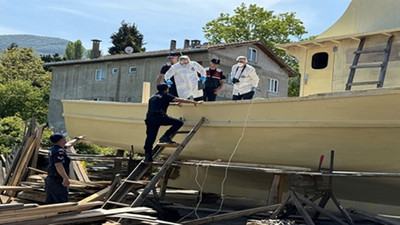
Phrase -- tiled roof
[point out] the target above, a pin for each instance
(183, 51)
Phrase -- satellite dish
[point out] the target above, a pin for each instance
(128, 50)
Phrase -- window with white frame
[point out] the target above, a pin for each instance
(114, 70)
(132, 69)
(100, 75)
(252, 55)
(273, 85)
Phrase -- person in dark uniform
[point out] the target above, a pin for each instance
(57, 181)
(173, 59)
(157, 116)
(214, 81)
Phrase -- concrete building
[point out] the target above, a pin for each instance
(120, 77)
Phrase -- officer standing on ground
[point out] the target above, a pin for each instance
(157, 116)
(57, 181)
(244, 79)
(214, 81)
(173, 59)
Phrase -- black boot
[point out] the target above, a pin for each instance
(148, 157)
(167, 140)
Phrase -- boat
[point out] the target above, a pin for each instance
(361, 125)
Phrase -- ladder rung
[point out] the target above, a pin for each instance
(366, 66)
(363, 83)
(183, 132)
(166, 145)
(370, 51)
(118, 203)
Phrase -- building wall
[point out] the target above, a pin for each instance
(77, 81)
(334, 76)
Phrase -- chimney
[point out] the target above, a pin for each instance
(95, 49)
(173, 45)
(186, 44)
(195, 43)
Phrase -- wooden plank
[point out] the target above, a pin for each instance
(78, 168)
(118, 164)
(15, 188)
(232, 215)
(84, 216)
(35, 153)
(373, 217)
(98, 196)
(22, 165)
(43, 211)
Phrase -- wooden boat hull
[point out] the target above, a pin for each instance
(363, 127)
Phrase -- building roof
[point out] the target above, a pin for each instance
(184, 51)
(365, 16)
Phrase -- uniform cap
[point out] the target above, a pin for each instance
(215, 61)
(172, 55)
(162, 87)
(54, 138)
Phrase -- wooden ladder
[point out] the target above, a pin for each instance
(383, 65)
(132, 180)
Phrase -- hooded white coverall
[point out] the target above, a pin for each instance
(247, 76)
(186, 78)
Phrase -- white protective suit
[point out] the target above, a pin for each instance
(186, 78)
(247, 76)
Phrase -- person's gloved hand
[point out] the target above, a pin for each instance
(203, 79)
(253, 89)
(169, 82)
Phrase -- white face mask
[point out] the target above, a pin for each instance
(240, 64)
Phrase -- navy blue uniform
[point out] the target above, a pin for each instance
(156, 117)
(55, 191)
(172, 88)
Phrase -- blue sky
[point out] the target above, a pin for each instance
(158, 20)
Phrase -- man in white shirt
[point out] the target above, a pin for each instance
(244, 79)
(186, 78)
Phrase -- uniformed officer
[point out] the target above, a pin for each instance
(157, 116)
(214, 81)
(57, 181)
(187, 78)
(244, 79)
(173, 59)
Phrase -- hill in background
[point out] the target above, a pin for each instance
(42, 45)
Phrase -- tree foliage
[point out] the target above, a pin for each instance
(74, 50)
(24, 84)
(253, 22)
(11, 132)
(127, 35)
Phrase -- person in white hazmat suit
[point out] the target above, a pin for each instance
(186, 78)
(244, 79)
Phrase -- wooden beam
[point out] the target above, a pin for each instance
(232, 215)
(98, 196)
(15, 188)
(373, 217)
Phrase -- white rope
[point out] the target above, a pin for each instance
(230, 159)
(200, 189)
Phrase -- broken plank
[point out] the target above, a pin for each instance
(232, 215)
(98, 196)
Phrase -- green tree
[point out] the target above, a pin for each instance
(11, 132)
(24, 84)
(51, 58)
(74, 50)
(127, 35)
(253, 22)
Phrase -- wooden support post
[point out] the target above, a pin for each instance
(118, 164)
(164, 183)
(146, 92)
(276, 190)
